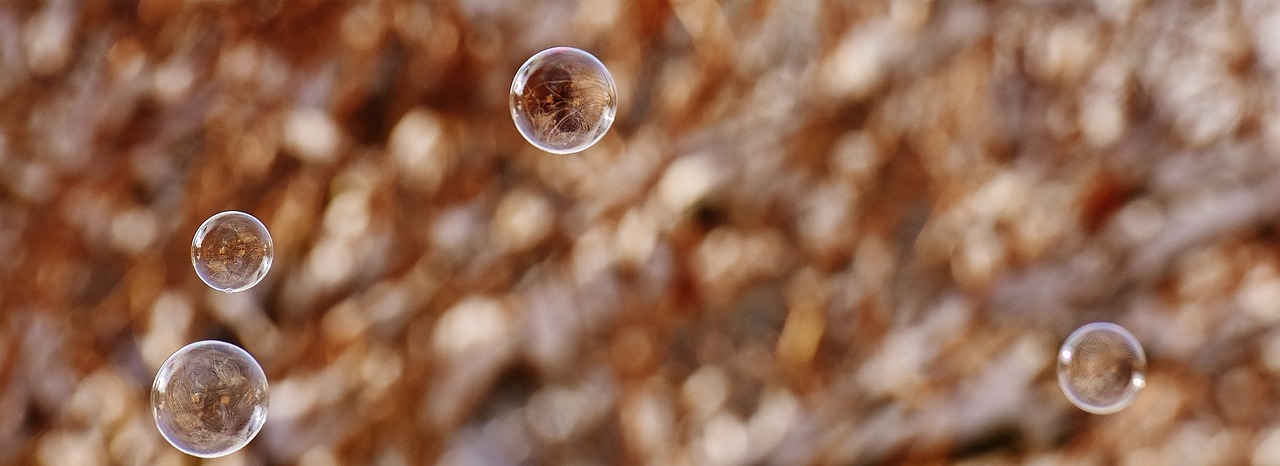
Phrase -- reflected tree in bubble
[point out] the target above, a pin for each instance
(563, 100)
(232, 251)
(209, 399)
(1101, 368)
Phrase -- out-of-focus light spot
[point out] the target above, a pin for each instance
(648, 421)
(1102, 118)
(172, 81)
(856, 156)
(909, 15)
(47, 40)
(592, 254)
(1115, 10)
(975, 262)
(597, 15)
(897, 368)
(415, 145)
(348, 214)
(773, 419)
(35, 182)
(555, 413)
(725, 440)
(166, 332)
(133, 443)
(858, 63)
(676, 83)
(412, 21)
(1259, 294)
(706, 390)
(521, 220)
(96, 399)
(1205, 104)
(705, 21)
(320, 456)
(824, 221)
(718, 254)
(1001, 197)
(1140, 220)
(294, 397)
(1196, 442)
(362, 26)
(273, 72)
(1063, 50)
(311, 135)
(344, 322)
(472, 323)
(1202, 273)
(331, 261)
(686, 181)
(454, 230)
(71, 447)
(1267, 450)
(637, 236)
(134, 230)
(239, 63)
(381, 369)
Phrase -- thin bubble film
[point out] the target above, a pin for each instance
(232, 251)
(563, 100)
(209, 399)
(1101, 368)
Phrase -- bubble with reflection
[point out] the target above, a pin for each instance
(1101, 368)
(563, 100)
(232, 251)
(209, 399)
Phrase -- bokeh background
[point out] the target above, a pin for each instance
(820, 231)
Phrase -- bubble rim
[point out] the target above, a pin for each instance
(202, 231)
(234, 349)
(1138, 380)
(517, 87)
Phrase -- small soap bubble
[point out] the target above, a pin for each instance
(1101, 368)
(563, 100)
(232, 251)
(209, 399)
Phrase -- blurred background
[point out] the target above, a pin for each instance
(820, 232)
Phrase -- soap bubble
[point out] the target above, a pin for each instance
(1101, 368)
(232, 251)
(209, 399)
(563, 100)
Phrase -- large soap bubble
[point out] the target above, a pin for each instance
(1101, 368)
(209, 399)
(563, 100)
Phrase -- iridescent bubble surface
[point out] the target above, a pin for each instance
(209, 399)
(563, 100)
(232, 251)
(1101, 368)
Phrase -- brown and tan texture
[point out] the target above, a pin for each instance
(819, 232)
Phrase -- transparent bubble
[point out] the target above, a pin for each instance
(232, 251)
(1101, 368)
(209, 399)
(563, 100)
